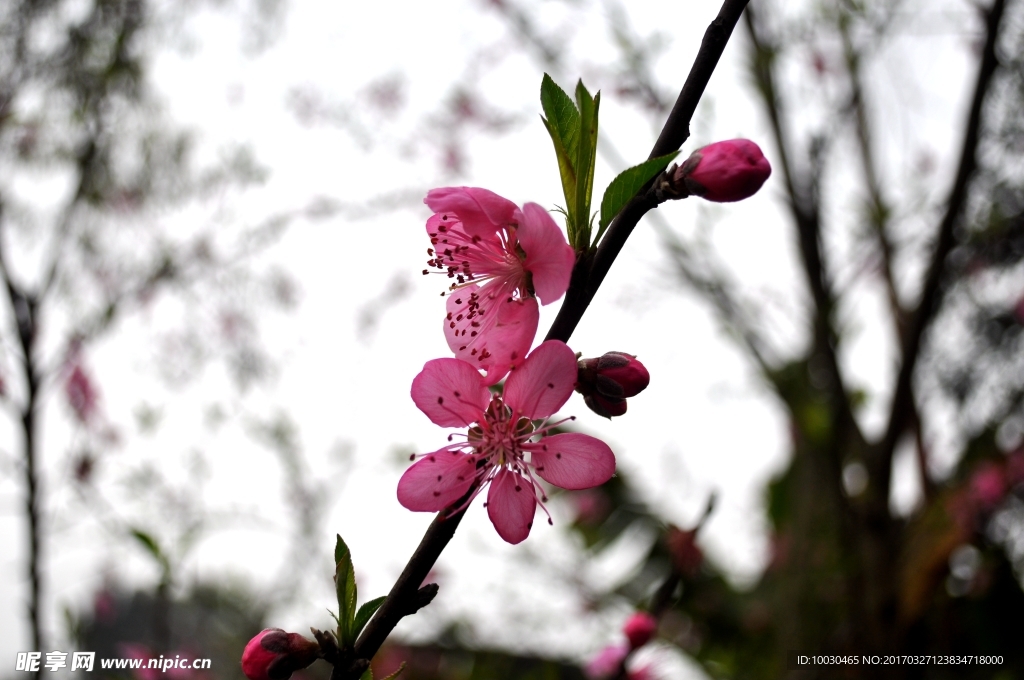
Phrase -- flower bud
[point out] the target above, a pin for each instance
(275, 655)
(607, 381)
(639, 629)
(723, 172)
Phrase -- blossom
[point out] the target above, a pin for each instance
(724, 171)
(501, 259)
(503, 447)
(274, 655)
(639, 629)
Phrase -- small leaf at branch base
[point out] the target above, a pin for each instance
(363, 615)
(345, 586)
(622, 189)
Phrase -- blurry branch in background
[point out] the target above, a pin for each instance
(903, 410)
(90, 171)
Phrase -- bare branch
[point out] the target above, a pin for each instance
(902, 410)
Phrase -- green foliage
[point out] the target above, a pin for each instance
(573, 131)
(625, 186)
(351, 620)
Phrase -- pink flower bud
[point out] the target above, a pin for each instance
(639, 629)
(724, 172)
(607, 381)
(275, 655)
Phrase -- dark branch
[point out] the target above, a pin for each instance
(902, 412)
(591, 271)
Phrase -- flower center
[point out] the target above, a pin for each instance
(475, 259)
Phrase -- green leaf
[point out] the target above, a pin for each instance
(624, 187)
(563, 125)
(565, 164)
(153, 548)
(367, 674)
(345, 585)
(586, 159)
(363, 615)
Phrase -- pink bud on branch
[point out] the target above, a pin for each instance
(639, 629)
(275, 655)
(607, 381)
(722, 172)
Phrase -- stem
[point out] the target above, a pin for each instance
(586, 279)
(677, 129)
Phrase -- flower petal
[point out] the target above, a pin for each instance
(437, 480)
(489, 329)
(481, 211)
(548, 256)
(543, 383)
(511, 503)
(572, 460)
(450, 392)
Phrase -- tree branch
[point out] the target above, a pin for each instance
(591, 271)
(902, 410)
(586, 278)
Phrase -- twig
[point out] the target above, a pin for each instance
(591, 271)
(586, 278)
(902, 410)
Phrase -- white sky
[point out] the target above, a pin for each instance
(704, 425)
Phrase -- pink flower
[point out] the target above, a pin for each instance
(724, 171)
(503, 447)
(501, 259)
(639, 629)
(275, 655)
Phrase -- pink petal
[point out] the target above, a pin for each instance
(548, 256)
(511, 503)
(436, 481)
(544, 382)
(572, 460)
(481, 211)
(489, 329)
(450, 392)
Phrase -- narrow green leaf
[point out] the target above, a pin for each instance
(345, 586)
(586, 156)
(626, 184)
(563, 125)
(153, 548)
(363, 615)
(565, 164)
(561, 113)
(147, 542)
